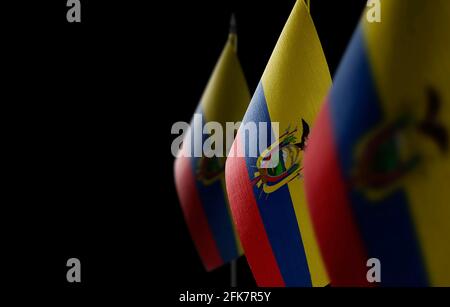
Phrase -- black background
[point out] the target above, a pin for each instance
(93, 105)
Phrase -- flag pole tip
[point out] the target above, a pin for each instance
(233, 25)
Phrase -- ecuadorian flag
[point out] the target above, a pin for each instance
(268, 204)
(200, 181)
(377, 167)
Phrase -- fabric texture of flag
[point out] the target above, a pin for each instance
(377, 166)
(200, 181)
(268, 204)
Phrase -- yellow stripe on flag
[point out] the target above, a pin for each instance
(226, 96)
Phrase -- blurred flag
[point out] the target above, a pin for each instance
(200, 182)
(377, 167)
(268, 204)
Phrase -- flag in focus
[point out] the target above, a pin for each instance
(377, 167)
(200, 181)
(268, 204)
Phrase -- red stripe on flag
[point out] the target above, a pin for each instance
(194, 214)
(249, 223)
(337, 233)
